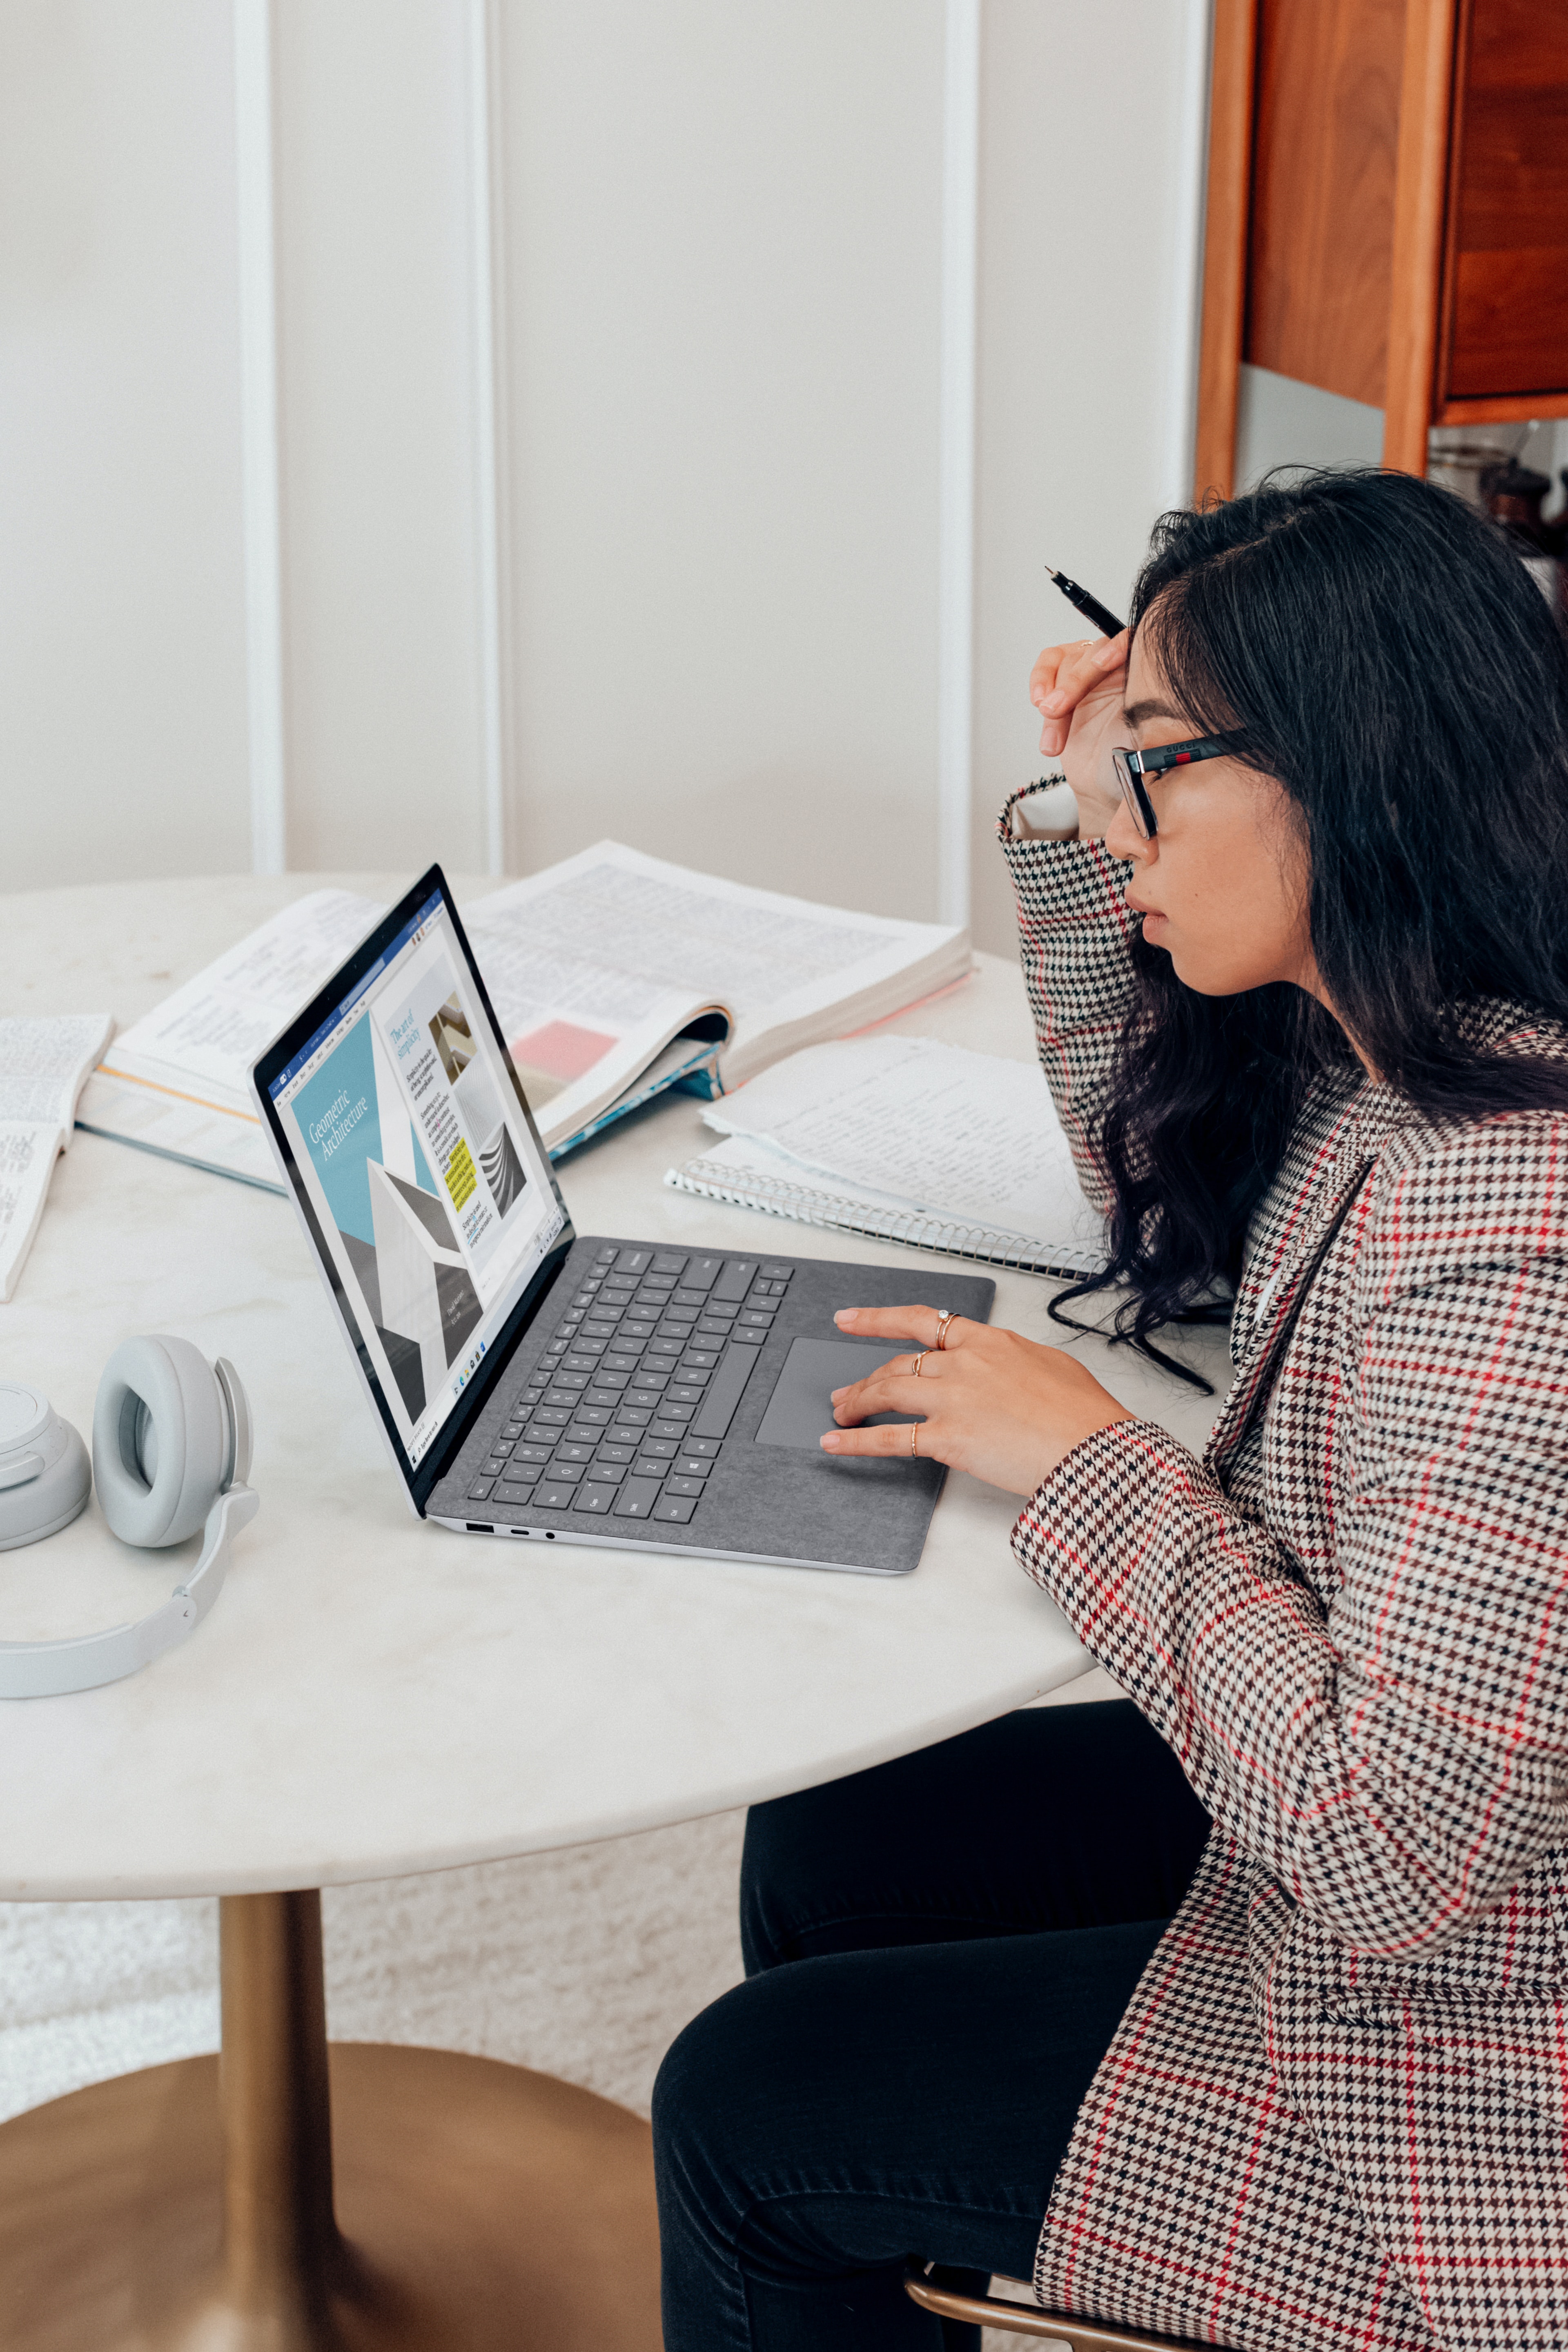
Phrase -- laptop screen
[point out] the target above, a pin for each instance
(405, 1134)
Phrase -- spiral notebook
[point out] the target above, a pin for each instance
(906, 1140)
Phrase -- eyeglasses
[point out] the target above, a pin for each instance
(1132, 767)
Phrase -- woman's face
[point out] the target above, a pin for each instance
(1223, 885)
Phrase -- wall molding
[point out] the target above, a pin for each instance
(260, 471)
(1187, 258)
(955, 559)
(485, 148)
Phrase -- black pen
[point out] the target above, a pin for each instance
(1090, 606)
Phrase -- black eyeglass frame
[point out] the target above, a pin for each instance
(1132, 767)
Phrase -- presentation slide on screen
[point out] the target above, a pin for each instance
(426, 1182)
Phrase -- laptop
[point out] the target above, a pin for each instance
(534, 1383)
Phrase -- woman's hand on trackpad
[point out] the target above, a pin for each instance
(1003, 1408)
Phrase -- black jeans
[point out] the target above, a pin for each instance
(937, 1952)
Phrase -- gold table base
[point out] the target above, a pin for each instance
(283, 2198)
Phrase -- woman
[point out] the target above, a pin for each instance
(1235, 2008)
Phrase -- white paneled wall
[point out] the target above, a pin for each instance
(762, 514)
(123, 705)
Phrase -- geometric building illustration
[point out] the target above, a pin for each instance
(478, 1105)
(427, 1298)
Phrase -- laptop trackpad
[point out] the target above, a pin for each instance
(801, 1407)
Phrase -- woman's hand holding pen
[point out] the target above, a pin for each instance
(1078, 690)
(1003, 1408)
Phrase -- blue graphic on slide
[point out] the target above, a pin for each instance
(397, 1236)
(340, 1117)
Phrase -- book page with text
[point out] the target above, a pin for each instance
(774, 960)
(45, 1058)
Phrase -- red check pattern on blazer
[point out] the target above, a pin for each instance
(1336, 2111)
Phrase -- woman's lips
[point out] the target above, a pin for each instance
(1151, 915)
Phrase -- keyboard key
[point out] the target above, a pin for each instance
(709, 1445)
(570, 1381)
(703, 1358)
(671, 1412)
(607, 1256)
(515, 1498)
(553, 1416)
(744, 1337)
(664, 1346)
(683, 1396)
(531, 1453)
(679, 1485)
(761, 1317)
(574, 1449)
(670, 1261)
(594, 1416)
(565, 1474)
(606, 1473)
(666, 1448)
(737, 1277)
(596, 1499)
(685, 1297)
(649, 1466)
(637, 1499)
(614, 1382)
(552, 1495)
(676, 1512)
(610, 1452)
(641, 1328)
(631, 1417)
(479, 1492)
(702, 1272)
(498, 1462)
(623, 1359)
(691, 1465)
(778, 1273)
(693, 1376)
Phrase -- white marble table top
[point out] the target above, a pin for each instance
(374, 1696)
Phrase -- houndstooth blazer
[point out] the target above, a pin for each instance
(1336, 2111)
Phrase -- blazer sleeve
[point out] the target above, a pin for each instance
(1073, 933)
(1398, 1761)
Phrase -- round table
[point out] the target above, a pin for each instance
(373, 1696)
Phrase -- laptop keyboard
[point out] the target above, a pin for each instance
(626, 1413)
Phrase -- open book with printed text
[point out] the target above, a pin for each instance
(613, 975)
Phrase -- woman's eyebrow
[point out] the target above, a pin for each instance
(1135, 713)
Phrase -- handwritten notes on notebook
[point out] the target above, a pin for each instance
(911, 1141)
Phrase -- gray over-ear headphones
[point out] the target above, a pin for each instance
(171, 1452)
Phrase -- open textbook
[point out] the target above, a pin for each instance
(613, 975)
(45, 1059)
(907, 1141)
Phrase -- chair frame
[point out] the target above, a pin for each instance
(1028, 2319)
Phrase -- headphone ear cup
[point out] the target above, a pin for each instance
(161, 1440)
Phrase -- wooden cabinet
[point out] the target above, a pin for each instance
(1387, 212)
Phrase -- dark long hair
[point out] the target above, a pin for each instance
(1381, 651)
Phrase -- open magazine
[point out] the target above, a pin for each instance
(613, 975)
(45, 1059)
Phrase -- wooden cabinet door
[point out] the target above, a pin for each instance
(1506, 312)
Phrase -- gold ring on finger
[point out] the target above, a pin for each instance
(942, 1321)
(919, 1360)
(914, 1441)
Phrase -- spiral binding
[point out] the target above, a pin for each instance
(778, 1196)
